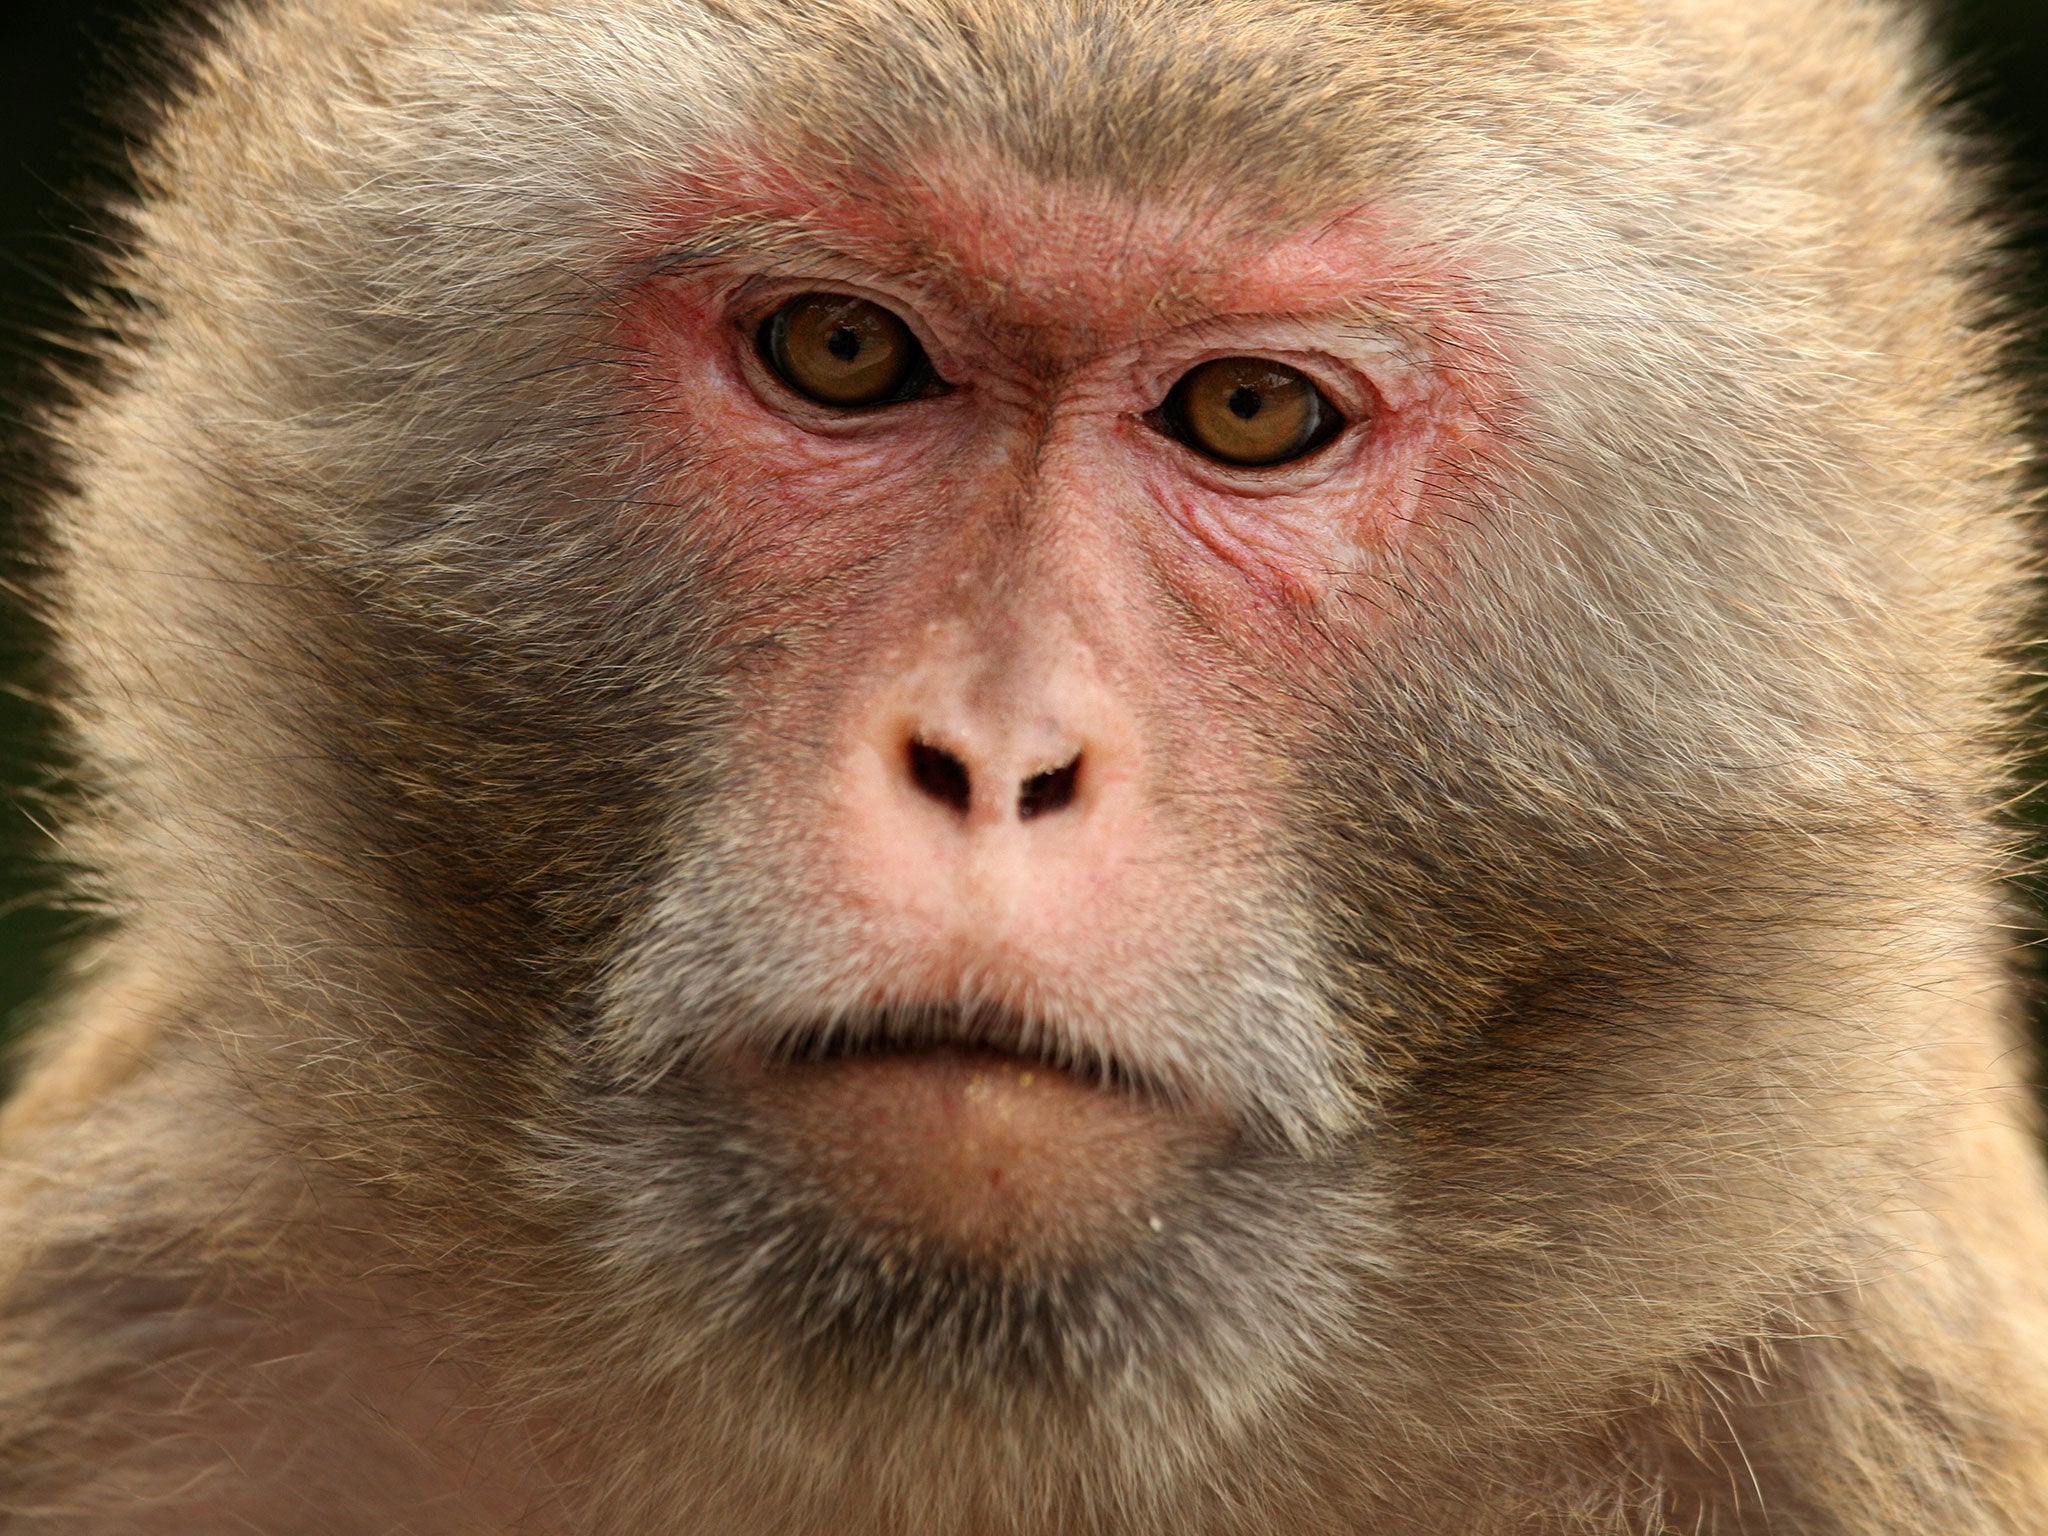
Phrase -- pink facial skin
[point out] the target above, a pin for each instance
(1024, 573)
(1061, 318)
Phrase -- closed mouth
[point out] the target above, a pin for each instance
(950, 1029)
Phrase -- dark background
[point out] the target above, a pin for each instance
(63, 62)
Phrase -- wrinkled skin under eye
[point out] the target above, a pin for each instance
(1248, 411)
(844, 351)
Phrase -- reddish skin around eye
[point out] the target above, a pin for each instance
(1023, 573)
(1063, 318)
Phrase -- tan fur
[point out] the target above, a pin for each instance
(1698, 1193)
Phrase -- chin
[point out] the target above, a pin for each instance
(971, 1215)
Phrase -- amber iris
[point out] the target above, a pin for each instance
(1247, 410)
(844, 351)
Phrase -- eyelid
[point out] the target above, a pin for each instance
(1361, 368)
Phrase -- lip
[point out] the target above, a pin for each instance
(988, 1138)
(993, 1033)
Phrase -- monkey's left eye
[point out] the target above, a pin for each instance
(843, 351)
(1249, 411)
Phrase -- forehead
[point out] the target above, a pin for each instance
(1290, 101)
(1049, 163)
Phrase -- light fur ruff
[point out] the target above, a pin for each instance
(1645, 906)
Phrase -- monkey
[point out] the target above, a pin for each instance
(1038, 768)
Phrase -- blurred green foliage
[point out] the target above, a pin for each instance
(63, 66)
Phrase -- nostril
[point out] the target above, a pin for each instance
(939, 774)
(1052, 790)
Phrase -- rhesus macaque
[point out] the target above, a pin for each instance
(1038, 768)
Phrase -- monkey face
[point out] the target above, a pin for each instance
(1101, 758)
(1002, 563)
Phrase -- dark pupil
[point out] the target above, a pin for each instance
(844, 344)
(1244, 402)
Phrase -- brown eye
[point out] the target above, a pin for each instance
(1245, 410)
(844, 351)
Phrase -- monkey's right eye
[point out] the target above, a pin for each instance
(840, 350)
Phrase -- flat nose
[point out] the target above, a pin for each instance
(990, 797)
(945, 775)
(990, 735)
